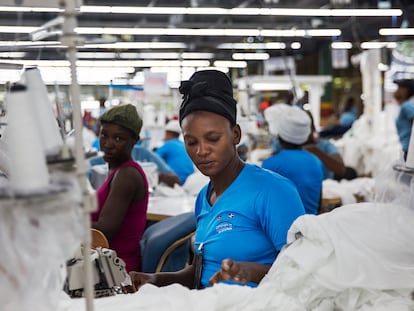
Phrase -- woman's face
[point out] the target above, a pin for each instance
(116, 142)
(210, 141)
(401, 94)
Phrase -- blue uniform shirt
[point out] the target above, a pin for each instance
(174, 153)
(404, 122)
(248, 222)
(323, 144)
(306, 172)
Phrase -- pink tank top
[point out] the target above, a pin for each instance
(126, 241)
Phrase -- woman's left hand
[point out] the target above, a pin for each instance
(232, 270)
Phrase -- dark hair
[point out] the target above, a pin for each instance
(407, 84)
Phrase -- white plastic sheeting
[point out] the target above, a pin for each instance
(357, 257)
(38, 234)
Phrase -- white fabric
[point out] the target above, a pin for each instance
(370, 148)
(358, 257)
(347, 190)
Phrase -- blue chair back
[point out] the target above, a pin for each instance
(166, 245)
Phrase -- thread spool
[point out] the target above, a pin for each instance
(49, 131)
(28, 168)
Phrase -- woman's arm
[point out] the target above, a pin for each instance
(127, 186)
(239, 271)
(333, 162)
(184, 277)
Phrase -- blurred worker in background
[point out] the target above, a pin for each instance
(174, 154)
(404, 95)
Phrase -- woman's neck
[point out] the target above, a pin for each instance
(114, 165)
(222, 181)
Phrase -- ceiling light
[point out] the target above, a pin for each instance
(253, 46)
(230, 64)
(99, 55)
(214, 11)
(295, 45)
(241, 11)
(341, 45)
(16, 8)
(396, 31)
(250, 56)
(262, 86)
(188, 31)
(378, 45)
(12, 54)
(138, 45)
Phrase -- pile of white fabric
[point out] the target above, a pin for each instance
(357, 257)
(349, 190)
(369, 147)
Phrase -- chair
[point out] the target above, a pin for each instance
(165, 245)
(98, 239)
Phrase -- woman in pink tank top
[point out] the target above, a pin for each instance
(123, 197)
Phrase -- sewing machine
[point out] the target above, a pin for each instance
(109, 274)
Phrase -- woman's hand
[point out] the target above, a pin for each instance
(240, 272)
(231, 270)
(139, 279)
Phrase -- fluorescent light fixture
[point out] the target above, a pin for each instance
(241, 11)
(262, 86)
(17, 29)
(96, 55)
(396, 31)
(378, 45)
(214, 11)
(28, 9)
(118, 45)
(137, 45)
(323, 32)
(253, 46)
(196, 55)
(295, 45)
(188, 31)
(250, 56)
(230, 64)
(111, 64)
(341, 45)
(166, 55)
(12, 54)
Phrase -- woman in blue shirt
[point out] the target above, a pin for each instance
(244, 212)
(404, 95)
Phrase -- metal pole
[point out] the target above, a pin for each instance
(70, 39)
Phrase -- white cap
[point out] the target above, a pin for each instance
(173, 126)
(272, 115)
(292, 124)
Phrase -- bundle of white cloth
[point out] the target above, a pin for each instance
(357, 257)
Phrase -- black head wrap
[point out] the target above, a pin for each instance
(208, 90)
(406, 83)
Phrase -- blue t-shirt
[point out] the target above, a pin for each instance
(323, 144)
(404, 122)
(306, 172)
(248, 222)
(173, 152)
(347, 118)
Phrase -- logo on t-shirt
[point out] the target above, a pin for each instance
(224, 226)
